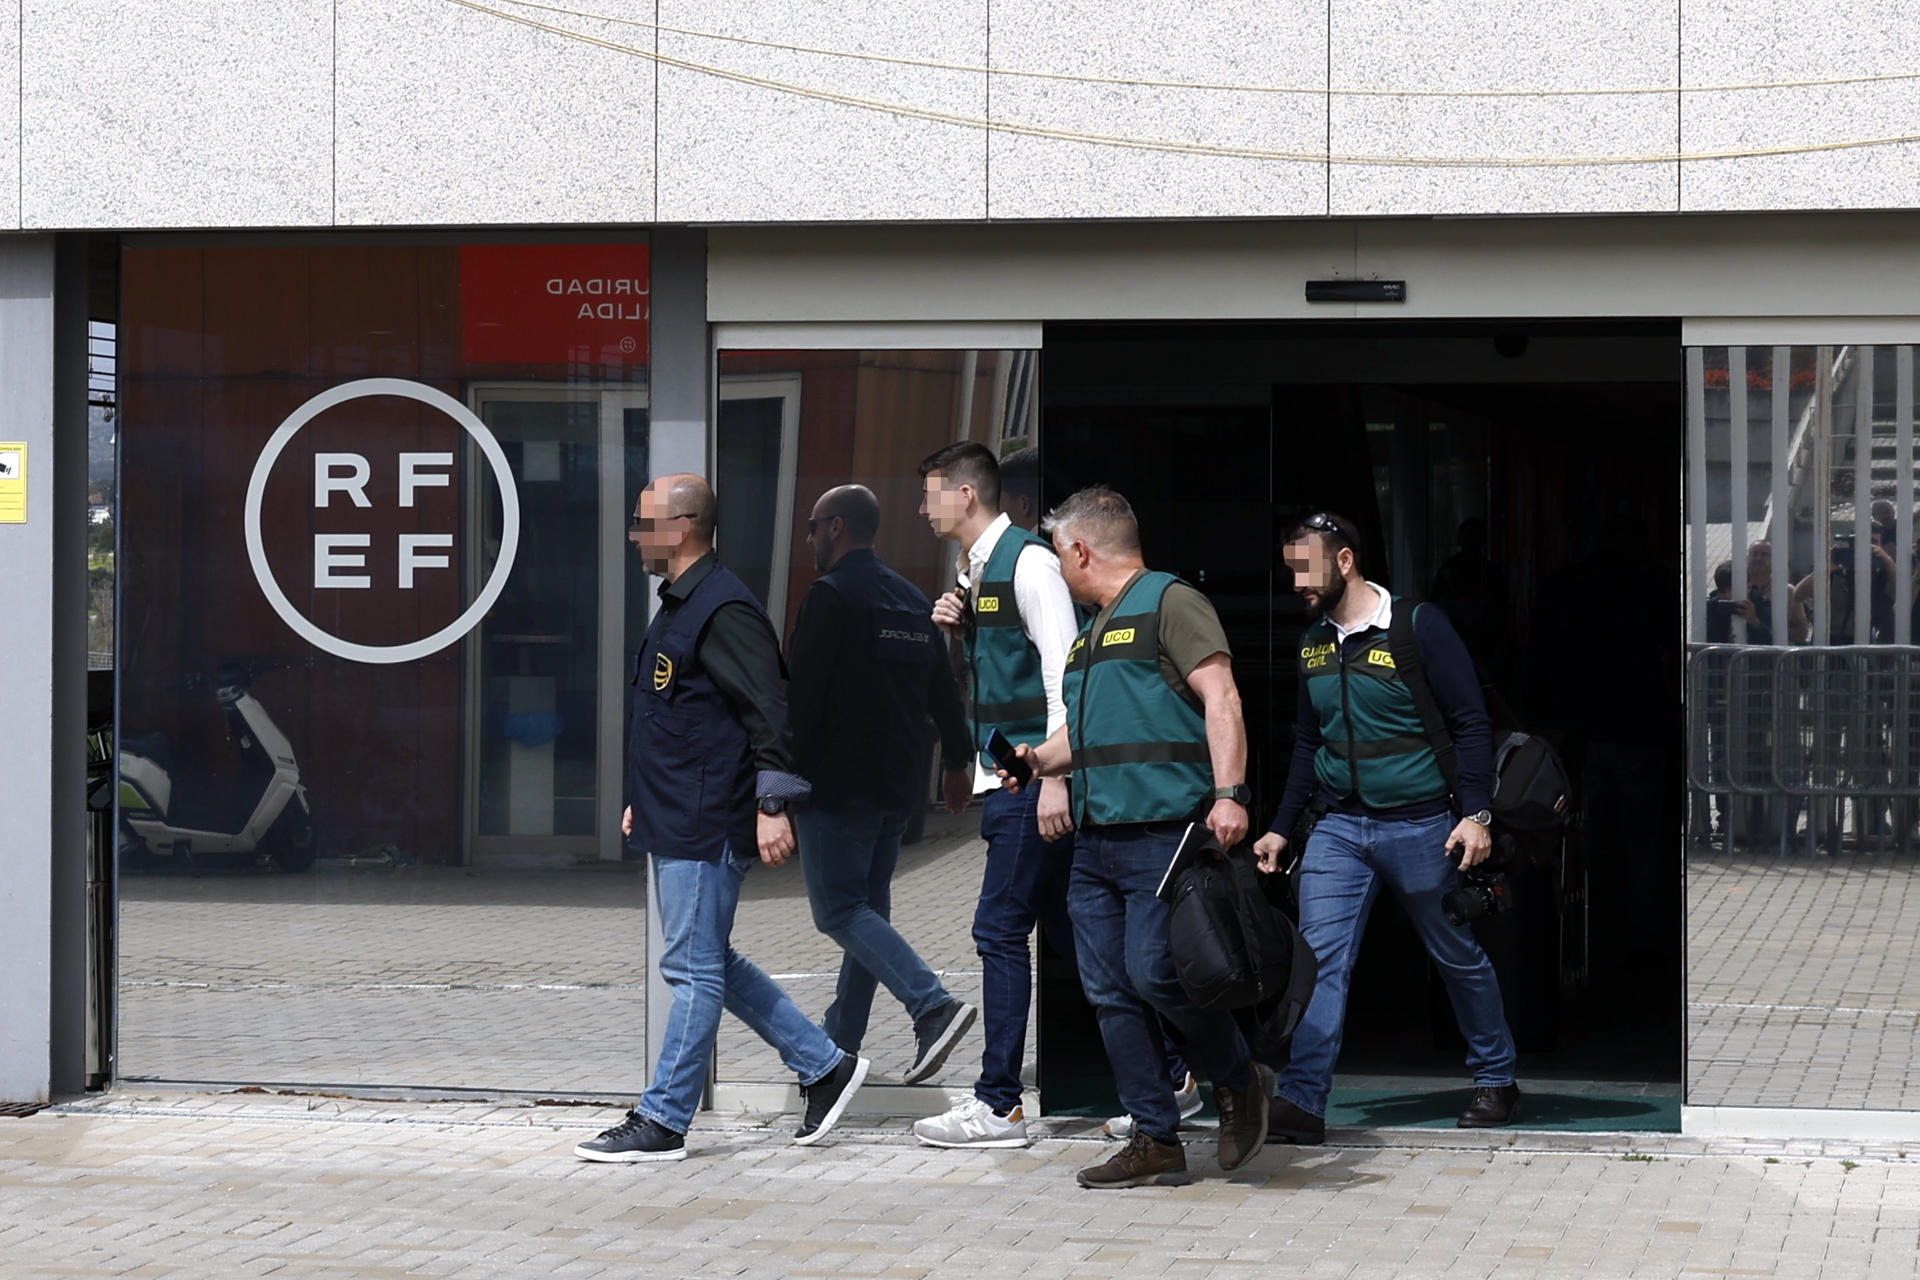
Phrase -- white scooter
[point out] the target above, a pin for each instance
(267, 814)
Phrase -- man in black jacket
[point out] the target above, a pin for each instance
(710, 774)
(868, 668)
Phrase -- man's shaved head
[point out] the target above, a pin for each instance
(689, 495)
(672, 515)
(855, 504)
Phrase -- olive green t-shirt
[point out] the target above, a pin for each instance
(1190, 633)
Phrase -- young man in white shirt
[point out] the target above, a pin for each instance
(1013, 613)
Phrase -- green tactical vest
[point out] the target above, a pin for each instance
(1139, 748)
(1008, 693)
(1376, 747)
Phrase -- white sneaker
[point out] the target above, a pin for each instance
(1187, 1098)
(972, 1123)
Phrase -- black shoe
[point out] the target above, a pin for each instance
(827, 1099)
(1290, 1123)
(937, 1033)
(633, 1141)
(1492, 1107)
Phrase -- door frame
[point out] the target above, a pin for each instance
(613, 399)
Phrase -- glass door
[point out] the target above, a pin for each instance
(544, 751)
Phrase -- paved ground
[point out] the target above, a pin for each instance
(316, 1188)
(1803, 980)
(495, 979)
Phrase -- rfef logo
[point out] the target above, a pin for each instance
(341, 560)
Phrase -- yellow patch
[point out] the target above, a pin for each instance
(989, 604)
(1122, 636)
(662, 671)
(1381, 658)
(1317, 650)
(1079, 643)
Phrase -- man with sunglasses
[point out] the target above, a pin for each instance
(869, 668)
(710, 774)
(1361, 756)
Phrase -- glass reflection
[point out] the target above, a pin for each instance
(793, 425)
(438, 899)
(1804, 733)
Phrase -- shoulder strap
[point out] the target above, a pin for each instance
(1413, 673)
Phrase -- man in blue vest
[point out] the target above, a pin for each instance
(1154, 740)
(709, 777)
(1362, 757)
(868, 669)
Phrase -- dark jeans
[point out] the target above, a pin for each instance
(847, 860)
(1025, 883)
(1120, 930)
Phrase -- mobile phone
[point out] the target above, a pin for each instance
(1001, 749)
(1727, 607)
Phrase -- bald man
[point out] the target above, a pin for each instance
(709, 776)
(868, 671)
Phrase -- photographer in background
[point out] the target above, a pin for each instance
(1362, 756)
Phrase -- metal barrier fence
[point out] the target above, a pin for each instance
(1827, 733)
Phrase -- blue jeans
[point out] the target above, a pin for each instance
(848, 860)
(1120, 928)
(697, 901)
(1345, 862)
(1024, 883)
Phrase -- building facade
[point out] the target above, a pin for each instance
(405, 302)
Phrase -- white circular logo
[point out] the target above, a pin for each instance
(509, 523)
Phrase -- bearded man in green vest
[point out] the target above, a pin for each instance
(1362, 757)
(1154, 741)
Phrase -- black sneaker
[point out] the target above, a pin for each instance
(937, 1033)
(827, 1099)
(633, 1141)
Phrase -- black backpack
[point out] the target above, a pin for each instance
(1531, 794)
(1231, 950)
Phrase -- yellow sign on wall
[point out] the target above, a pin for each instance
(13, 482)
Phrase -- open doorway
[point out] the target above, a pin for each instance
(1524, 475)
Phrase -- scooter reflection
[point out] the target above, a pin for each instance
(167, 812)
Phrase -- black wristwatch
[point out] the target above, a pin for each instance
(772, 805)
(1241, 794)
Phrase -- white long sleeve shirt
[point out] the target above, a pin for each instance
(1046, 615)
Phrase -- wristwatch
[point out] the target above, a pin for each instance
(772, 805)
(1484, 817)
(1240, 793)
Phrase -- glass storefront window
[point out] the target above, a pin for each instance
(792, 425)
(374, 598)
(1803, 726)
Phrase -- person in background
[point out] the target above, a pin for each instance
(868, 669)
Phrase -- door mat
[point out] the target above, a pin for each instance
(1539, 1109)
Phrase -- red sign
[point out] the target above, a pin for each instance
(554, 303)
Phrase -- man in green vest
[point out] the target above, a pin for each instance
(1016, 621)
(1362, 757)
(1155, 741)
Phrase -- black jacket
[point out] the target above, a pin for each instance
(868, 669)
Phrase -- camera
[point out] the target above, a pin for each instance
(1485, 894)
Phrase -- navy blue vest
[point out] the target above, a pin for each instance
(690, 774)
(877, 743)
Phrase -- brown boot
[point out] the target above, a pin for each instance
(1141, 1163)
(1243, 1118)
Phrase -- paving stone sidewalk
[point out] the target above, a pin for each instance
(312, 1187)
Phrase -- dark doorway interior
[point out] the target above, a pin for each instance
(1524, 475)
